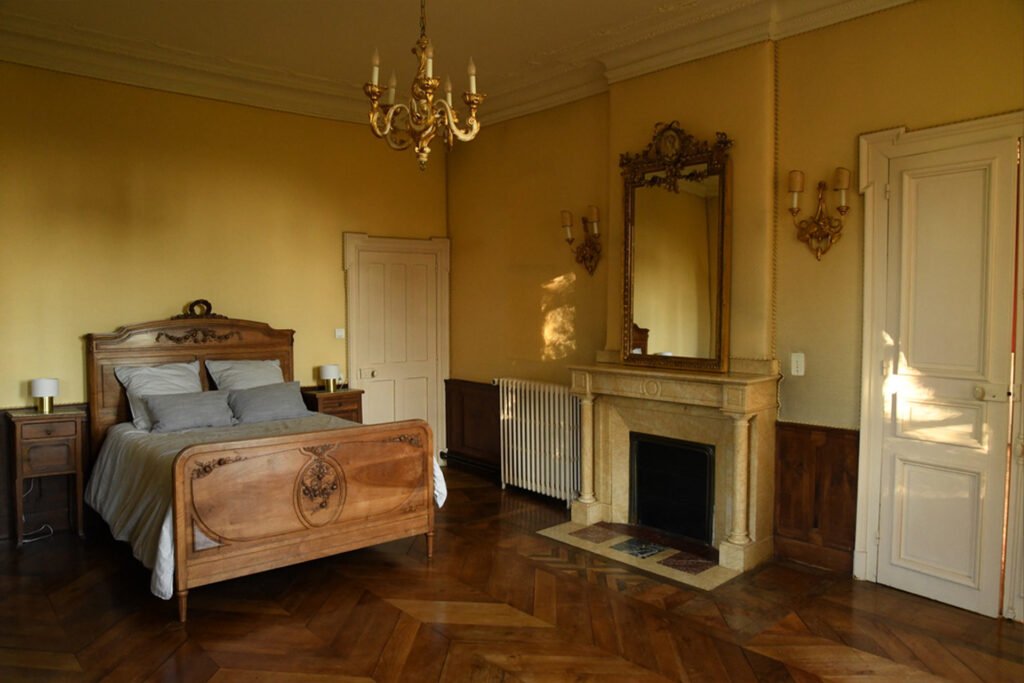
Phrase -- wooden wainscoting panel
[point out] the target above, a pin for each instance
(816, 494)
(474, 433)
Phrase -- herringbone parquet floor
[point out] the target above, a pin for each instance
(496, 603)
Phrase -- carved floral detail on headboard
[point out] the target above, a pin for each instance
(198, 335)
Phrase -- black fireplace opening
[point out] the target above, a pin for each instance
(672, 485)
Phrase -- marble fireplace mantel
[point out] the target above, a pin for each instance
(735, 412)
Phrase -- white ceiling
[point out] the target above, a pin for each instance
(313, 56)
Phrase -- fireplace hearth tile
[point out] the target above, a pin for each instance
(686, 562)
(712, 577)
(595, 534)
(639, 548)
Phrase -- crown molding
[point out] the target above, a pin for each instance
(81, 52)
(749, 25)
(566, 73)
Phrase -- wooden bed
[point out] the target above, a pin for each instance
(273, 501)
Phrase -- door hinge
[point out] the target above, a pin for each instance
(887, 191)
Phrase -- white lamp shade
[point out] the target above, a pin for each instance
(46, 387)
(330, 372)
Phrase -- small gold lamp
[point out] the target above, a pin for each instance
(330, 375)
(43, 391)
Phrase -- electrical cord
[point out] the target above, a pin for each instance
(25, 536)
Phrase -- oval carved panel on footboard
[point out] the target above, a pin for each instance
(236, 498)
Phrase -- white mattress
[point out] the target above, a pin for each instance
(131, 485)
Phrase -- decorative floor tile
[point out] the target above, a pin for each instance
(639, 548)
(595, 534)
(685, 562)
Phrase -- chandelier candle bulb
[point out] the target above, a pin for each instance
(392, 86)
(375, 71)
(567, 224)
(448, 90)
(430, 60)
(471, 69)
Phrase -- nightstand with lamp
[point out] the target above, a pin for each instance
(48, 441)
(346, 403)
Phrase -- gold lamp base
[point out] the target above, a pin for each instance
(330, 385)
(44, 404)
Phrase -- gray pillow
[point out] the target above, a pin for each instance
(175, 412)
(270, 402)
(232, 375)
(151, 380)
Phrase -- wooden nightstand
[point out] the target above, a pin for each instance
(344, 403)
(44, 446)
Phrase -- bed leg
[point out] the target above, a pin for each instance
(182, 597)
(430, 544)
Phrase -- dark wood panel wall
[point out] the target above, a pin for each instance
(816, 494)
(474, 427)
(48, 497)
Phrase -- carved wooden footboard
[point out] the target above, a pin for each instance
(247, 506)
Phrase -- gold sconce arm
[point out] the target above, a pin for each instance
(589, 252)
(821, 230)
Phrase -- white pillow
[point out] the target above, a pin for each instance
(152, 380)
(232, 375)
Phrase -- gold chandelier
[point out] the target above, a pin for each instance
(418, 122)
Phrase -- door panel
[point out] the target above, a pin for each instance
(396, 335)
(948, 316)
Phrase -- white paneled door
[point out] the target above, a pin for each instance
(938, 411)
(398, 327)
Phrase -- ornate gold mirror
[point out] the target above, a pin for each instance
(677, 252)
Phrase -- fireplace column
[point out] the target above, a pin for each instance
(733, 551)
(586, 509)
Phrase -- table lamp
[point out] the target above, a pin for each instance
(43, 390)
(330, 375)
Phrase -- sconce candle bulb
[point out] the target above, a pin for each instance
(821, 230)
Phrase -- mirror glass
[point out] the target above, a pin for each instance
(677, 252)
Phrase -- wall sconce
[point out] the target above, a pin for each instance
(330, 375)
(820, 231)
(43, 391)
(588, 253)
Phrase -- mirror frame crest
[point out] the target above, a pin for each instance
(671, 152)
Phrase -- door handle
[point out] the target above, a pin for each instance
(991, 392)
(367, 373)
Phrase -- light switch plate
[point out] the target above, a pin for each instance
(339, 332)
(796, 364)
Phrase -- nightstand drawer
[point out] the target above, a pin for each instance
(48, 430)
(54, 457)
(330, 403)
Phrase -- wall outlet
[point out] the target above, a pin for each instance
(339, 332)
(796, 364)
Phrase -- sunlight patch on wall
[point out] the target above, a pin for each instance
(559, 329)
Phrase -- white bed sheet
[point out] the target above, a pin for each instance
(131, 484)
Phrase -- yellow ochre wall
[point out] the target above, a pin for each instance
(800, 102)
(520, 305)
(919, 65)
(120, 204)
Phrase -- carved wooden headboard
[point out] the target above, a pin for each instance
(198, 334)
